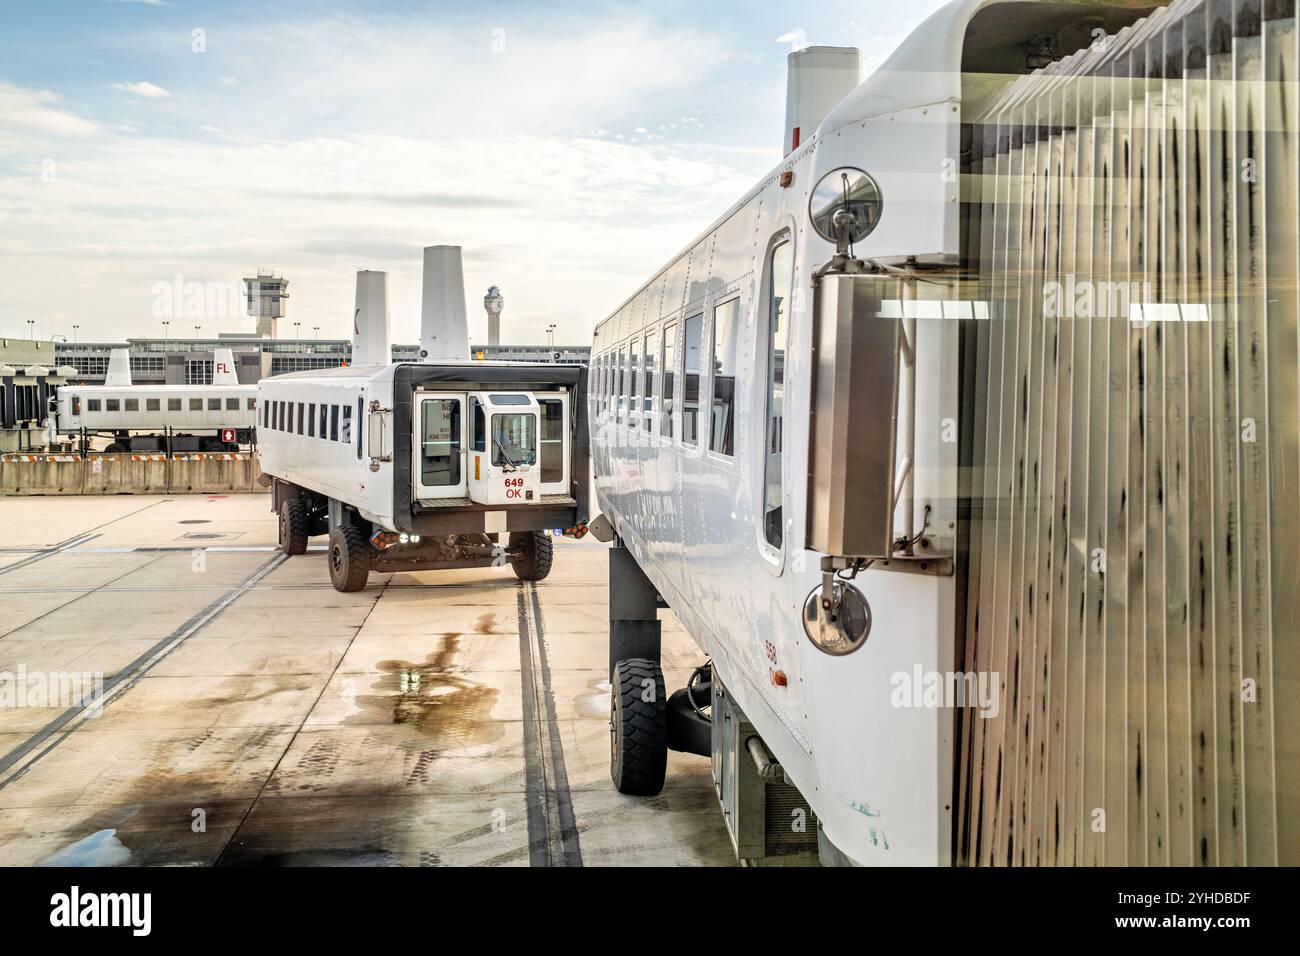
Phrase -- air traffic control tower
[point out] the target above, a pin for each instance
(266, 294)
(493, 303)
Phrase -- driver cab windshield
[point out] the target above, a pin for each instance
(514, 439)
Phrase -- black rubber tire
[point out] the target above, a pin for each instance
(537, 551)
(638, 728)
(113, 449)
(349, 558)
(294, 519)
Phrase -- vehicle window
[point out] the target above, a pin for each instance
(334, 423)
(232, 404)
(440, 430)
(345, 429)
(479, 426)
(694, 330)
(621, 389)
(514, 439)
(173, 404)
(670, 349)
(635, 387)
(132, 405)
(93, 405)
(552, 439)
(778, 327)
(112, 405)
(725, 319)
(300, 417)
(651, 363)
(214, 404)
(311, 420)
(152, 405)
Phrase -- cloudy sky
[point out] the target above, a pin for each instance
(571, 148)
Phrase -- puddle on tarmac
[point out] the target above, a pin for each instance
(595, 701)
(448, 708)
(485, 624)
(101, 848)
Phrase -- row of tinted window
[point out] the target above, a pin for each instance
(309, 419)
(634, 381)
(173, 404)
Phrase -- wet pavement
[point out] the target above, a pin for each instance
(252, 715)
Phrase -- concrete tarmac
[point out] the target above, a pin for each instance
(252, 715)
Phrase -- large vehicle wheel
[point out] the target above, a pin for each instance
(349, 558)
(113, 448)
(638, 728)
(294, 520)
(536, 551)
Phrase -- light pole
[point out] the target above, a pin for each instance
(31, 329)
(316, 329)
(296, 336)
(550, 334)
(75, 327)
(197, 328)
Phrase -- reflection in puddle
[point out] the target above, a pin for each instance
(595, 702)
(101, 848)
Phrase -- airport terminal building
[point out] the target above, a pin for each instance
(172, 361)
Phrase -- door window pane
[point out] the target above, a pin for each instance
(440, 432)
(552, 439)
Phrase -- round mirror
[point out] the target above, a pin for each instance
(842, 629)
(846, 200)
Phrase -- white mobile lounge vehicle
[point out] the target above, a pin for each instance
(436, 464)
(218, 417)
(966, 446)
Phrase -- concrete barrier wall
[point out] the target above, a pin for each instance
(128, 474)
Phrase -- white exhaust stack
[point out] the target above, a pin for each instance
(223, 367)
(817, 77)
(119, 368)
(444, 327)
(370, 338)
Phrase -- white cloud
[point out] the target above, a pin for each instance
(33, 111)
(359, 143)
(143, 88)
(229, 81)
(797, 38)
